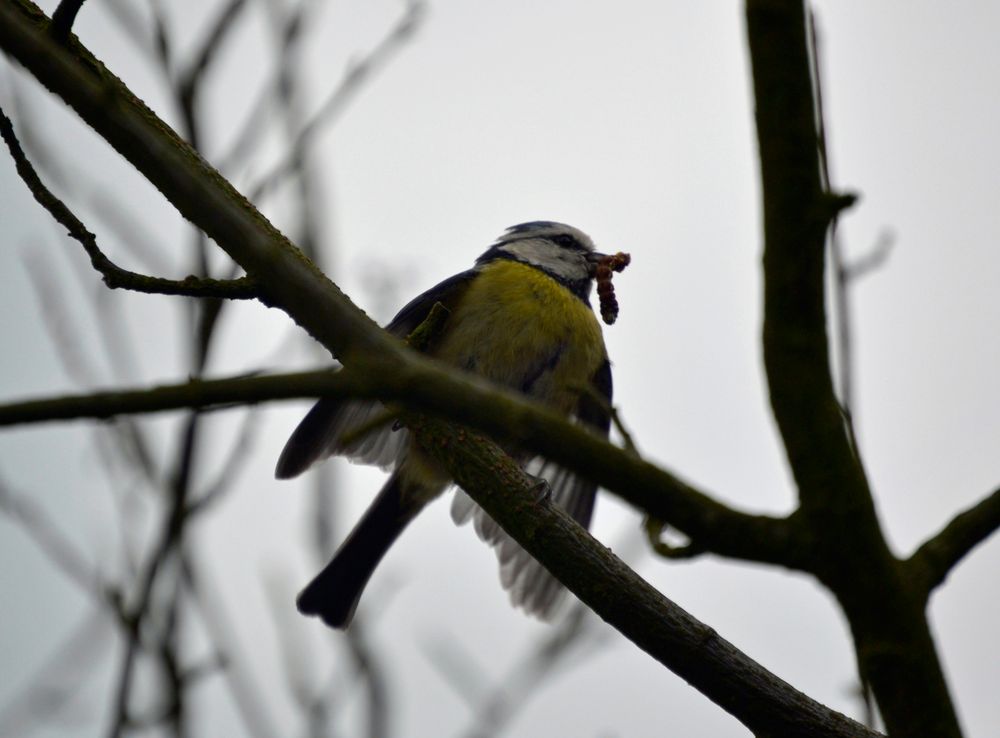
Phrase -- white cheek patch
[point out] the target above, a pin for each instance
(551, 258)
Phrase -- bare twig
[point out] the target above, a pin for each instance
(577, 634)
(845, 273)
(932, 562)
(229, 473)
(62, 328)
(62, 19)
(125, 14)
(643, 485)
(114, 276)
(130, 229)
(200, 394)
(58, 680)
(250, 698)
(841, 303)
(56, 546)
(190, 80)
(655, 528)
(354, 78)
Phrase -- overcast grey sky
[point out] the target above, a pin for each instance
(632, 121)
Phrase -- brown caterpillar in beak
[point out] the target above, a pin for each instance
(606, 290)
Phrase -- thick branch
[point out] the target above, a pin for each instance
(848, 551)
(931, 563)
(760, 700)
(796, 214)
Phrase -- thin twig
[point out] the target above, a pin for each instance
(201, 394)
(654, 530)
(577, 634)
(190, 80)
(66, 335)
(933, 561)
(63, 18)
(60, 678)
(229, 473)
(354, 78)
(49, 539)
(115, 277)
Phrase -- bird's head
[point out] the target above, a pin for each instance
(563, 252)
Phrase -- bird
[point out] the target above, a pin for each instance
(520, 317)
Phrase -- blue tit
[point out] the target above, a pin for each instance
(521, 317)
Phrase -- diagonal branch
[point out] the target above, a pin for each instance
(933, 561)
(59, 549)
(335, 103)
(190, 81)
(758, 699)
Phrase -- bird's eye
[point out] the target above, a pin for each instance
(566, 241)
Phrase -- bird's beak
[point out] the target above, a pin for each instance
(595, 258)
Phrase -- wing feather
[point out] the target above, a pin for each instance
(529, 583)
(320, 432)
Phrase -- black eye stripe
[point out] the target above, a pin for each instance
(567, 241)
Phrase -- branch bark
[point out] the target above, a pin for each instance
(760, 700)
(507, 417)
(847, 549)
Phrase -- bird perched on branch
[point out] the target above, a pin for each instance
(521, 317)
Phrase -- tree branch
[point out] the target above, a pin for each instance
(933, 561)
(847, 549)
(63, 18)
(507, 416)
(355, 76)
(196, 394)
(190, 81)
(114, 276)
(760, 700)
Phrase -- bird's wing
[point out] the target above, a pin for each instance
(530, 584)
(320, 432)
(413, 313)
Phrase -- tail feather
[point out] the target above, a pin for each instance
(334, 593)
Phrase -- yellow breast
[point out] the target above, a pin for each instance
(519, 327)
